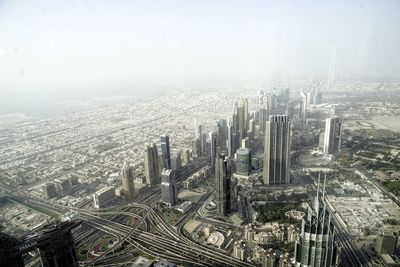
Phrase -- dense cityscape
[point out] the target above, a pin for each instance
(273, 177)
(212, 133)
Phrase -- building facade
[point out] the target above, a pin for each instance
(222, 185)
(277, 151)
(332, 137)
(168, 187)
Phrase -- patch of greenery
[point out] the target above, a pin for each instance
(393, 186)
(273, 212)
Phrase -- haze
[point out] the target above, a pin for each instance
(82, 48)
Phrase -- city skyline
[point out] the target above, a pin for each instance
(200, 133)
(54, 51)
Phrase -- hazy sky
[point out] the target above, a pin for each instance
(60, 47)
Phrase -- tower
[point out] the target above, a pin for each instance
(59, 248)
(242, 116)
(222, 133)
(303, 105)
(168, 187)
(317, 245)
(263, 113)
(277, 150)
(128, 178)
(151, 164)
(165, 150)
(332, 137)
(222, 184)
(213, 150)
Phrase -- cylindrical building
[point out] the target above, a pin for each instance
(243, 161)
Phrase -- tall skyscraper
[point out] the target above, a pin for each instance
(235, 118)
(259, 102)
(222, 184)
(222, 133)
(277, 151)
(317, 245)
(196, 147)
(204, 144)
(290, 109)
(168, 187)
(242, 116)
(332, 137)
(128, 179)
(303, 105)
(263, 113)
(213, 150)
(176, 161)
(198, 128)
(233, 141)
(165, 150)
(151, 164)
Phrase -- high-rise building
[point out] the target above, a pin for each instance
(64, 186)
(196, 147)
(317, 245)
(269, 259)
(204, 144)
(259, 101)
(213, 149)
(263, 113)
(176, 162)
(290, 109)
(242, 116)
(222, 133)
(252, 128)
(151, 164)
(58, 249)
(103, 196)
(165, 151)
(222, 184)
(243, 161)
(186, 156)
(54, 242)
(386, 242)
(128, 179)
(231, 142)
(239, 250)
(168, 187)
(277, 151)
(198, 128)
(303, 105)
(332, 137)
(50, 190)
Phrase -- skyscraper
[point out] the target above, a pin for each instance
(198, 128)
(213, 150)
(317, 245)
(196, 147)
(242, 116)
(151, 164)
(303, 105)
(222, 184)
(263, 113)
(233, 138)
(128, 179)
(176, 161)
(243, 161)
(277, 151)
(168, 187)
(165, 150)
(332, 137)
(222, 133)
